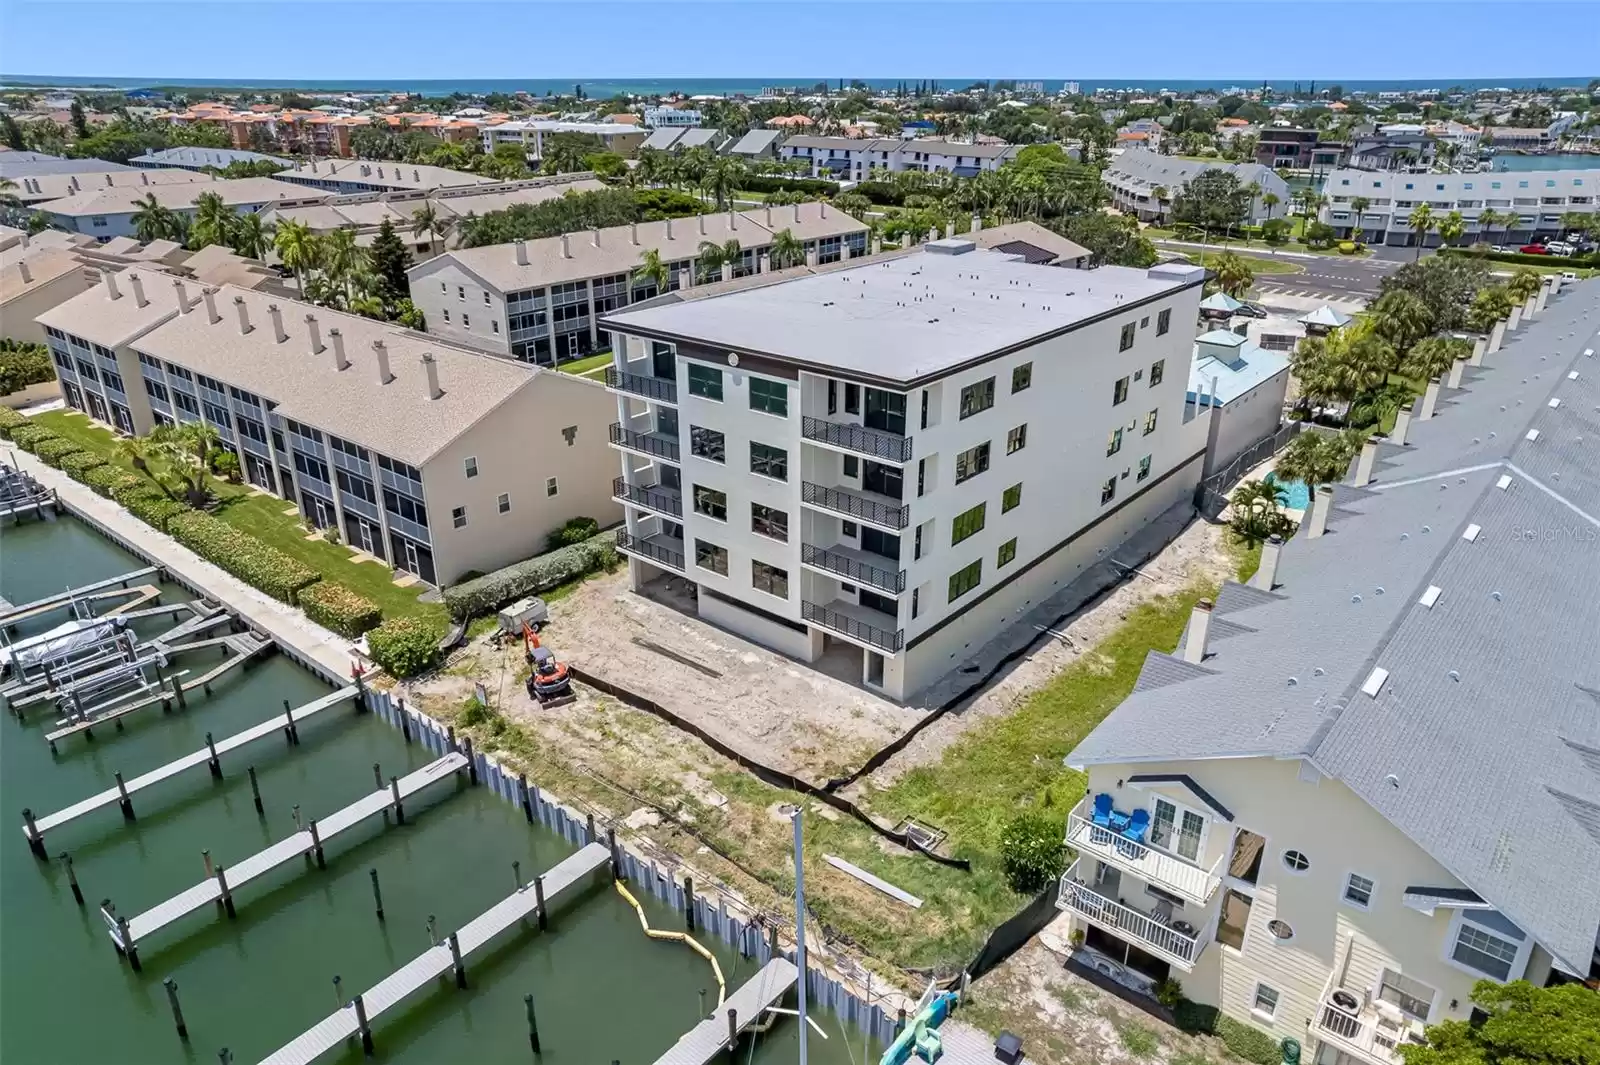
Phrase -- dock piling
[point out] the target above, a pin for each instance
(733, 1028)
(405, 722)
(616, 856)
(377, 895)
(455, 961)
(177, 691)
(377, 775)
(290, 730)
(472, 763)
(538, 894)
(527, 797)
(533, 1026)
(516, 874)
(255, 791)
(338, 991)
(72, 878)
(399, 811)
(215, 763)
(205, 860)
(122, 799)
(688, 902)
(130, 949)
(316, 845)
(177, 1011)
(362, 1026)
(227, 895)
(590, 825)
(433, 934)
(703, 1012)
(35, 840)
(900, 1022)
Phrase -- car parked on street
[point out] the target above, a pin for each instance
(1534, 249)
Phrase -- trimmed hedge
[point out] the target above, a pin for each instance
(28, 437)
(404, 646)
(488, 593)
(154, 509)
(9, 420)
(1251, 1044)
(133, 486)
(23, 364)
(242, 555)
(333, 606)
(79, 463)
(773, 183)
(1574, 262)
(56, 449)
(106, 479)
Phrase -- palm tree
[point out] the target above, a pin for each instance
(1257, 510)
(251, 237)
(1315, 458)
(1524, 283)
(722, 176)
(1421, 220)
(653, 268)
(427, 220)
(1433, 357)
(1160, 194)
(787, 250)
(299, 248)
(1234, 275)
(8, 198)
(187, 450)
(1451, 227)
(342, 259)
(1488, 218)
(1270, 200)
(213, 221)
(1576, 222)
(713, 257)
(151, 221)
(1401, 318)
(1359, 205)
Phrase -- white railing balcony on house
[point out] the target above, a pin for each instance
(1361, 1030)
(1166, 871)
(1143, 930)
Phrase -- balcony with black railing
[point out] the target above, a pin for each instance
(655, 498)
(658, 389)
(655, 445)
(869, 507)
(860, 439)
(851, 620)
(657, 550)
(856, 566)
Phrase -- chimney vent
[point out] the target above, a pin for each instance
(430, 370)
(1364, 463)
(669, 229)
(112, 291)
(733, 219)
(522, 252)
(380, 351)
(1319, 511)
(566, 247)
(277, 323)
(977, 222)
(22, 269)
(594, 237)
(144, 179)
(702, 219)
(315, 332)
(1430, 399)
(797, 214)
(1402, 424)
(337, 339)
(109, 182)
(633, 233)
(183, 295)
(1266, 576)
(769, 216)
(244, 315)
(1194, 648)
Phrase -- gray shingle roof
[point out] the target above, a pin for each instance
(1483, 744)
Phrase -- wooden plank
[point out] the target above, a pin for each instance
(873, 881)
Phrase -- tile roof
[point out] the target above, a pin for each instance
(1483, 743)
(34, 189)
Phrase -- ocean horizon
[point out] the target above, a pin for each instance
(601, 88)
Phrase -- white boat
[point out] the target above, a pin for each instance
(65, 638)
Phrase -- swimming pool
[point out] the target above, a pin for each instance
(1298, 494)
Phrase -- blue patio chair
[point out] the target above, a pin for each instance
(1102, 810)
(1138, 825)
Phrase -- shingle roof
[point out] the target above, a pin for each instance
(384, 175)
(42, 268)
(1150, 169)
(755, 142)
(662, 139)
(1478, 744)
(101, 319)
(125, 200)
(34, 164)
(217, 157)
(1029, 239)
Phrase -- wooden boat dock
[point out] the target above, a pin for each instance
(62, 600)
(708, 1040)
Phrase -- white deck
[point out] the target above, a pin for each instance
(331, 1032)
(190, 761)
(1158, 867)
(263, 862)
(706, 1041)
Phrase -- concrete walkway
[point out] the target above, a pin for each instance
(314, 646)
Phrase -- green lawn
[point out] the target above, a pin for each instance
(1164, 233)
(264, 517)
(1272, 266)
(584, 365)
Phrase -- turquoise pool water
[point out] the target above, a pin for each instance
(1299, 495)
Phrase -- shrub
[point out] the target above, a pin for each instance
(773, 183)
(1570, 262)
(23, 364)
(1033, 850)
(1169, 993)
(226, 465)
(154, 509)
(575, 531)
(491, 591)
(1347, 247)
(242, 555)
(55, 449)
(333, 606)
(104, 479)
(132, 487)
(29, 437)
(1246, 1042)
(9, 420)
(404, 646)
(79, 463)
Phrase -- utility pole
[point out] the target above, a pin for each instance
(800, 923)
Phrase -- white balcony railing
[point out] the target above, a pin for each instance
(1365, 1033)
(1147, 933)
(1183, 878)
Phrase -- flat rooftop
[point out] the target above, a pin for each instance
(907, 318)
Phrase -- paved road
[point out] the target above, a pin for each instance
(1332, 278)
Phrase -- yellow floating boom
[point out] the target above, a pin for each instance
(681, 937)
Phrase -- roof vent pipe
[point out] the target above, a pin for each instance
(277, 323)
(669, 229)
(336, 338)
(594, 237)
(1194, 648)
(1319, 511)
(1365, 461)
(702, 224)
(566, 247)
(949, 230)
(522, 252)
(244, 315)
(1402, 424)
(25, 273)
(315, 332)
(977, 222)
(1430, 399)
(633, 233)
(1266, 575)
(430, 370)
(380, 351)
(210, 296)
(797, 214)
(183, 295)
(111, 283)
(769, 216)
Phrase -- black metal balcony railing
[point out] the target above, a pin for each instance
(655, 499)
(655, 446)
(885, 580)
(856, 506)
(874, 443)
(638, 545)
(891, 640)
(656, 388)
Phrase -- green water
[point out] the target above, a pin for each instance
(602, 990)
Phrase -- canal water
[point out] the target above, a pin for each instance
(602, 990)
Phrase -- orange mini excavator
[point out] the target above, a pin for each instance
(548, 682)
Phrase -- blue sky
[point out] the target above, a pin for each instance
(428, 39)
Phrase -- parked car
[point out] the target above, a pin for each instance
(1558, 247)
(1251, 310)
(1569, 275)
(1502, 248)
(1534, 249)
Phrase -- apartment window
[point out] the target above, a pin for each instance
(1413, 997)
(443, 287)
(1011, 499)
(711, 503)
(1296, 861)
(1119, 391)
(1022, 377)
(916, 601)
(769, 579)
(1150, 422)
(1265, 1005)
(710, 556)
(772, 397)
(707, 444)
(965, 579)
(494, 326)
(1017, 439)
(769, 522)
(461, 292)
(1483, 951)
(1108, 491)
(1128, 332)
(705, 381)
(1158, 371)
(852, 399)
(98, 221)
(1163, 321)
(550, 487)
(458, 517)
(504, 502)
(1114, 441)
(1144, 468)
(446, 314)
(1008, 552)
(466, 320)
(1358, 890)
(967, 523)
(471, 465)
(486, 299)
(972, 462)
(978, 397)
(769, 461)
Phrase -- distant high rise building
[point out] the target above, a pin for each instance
(1069, 89)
